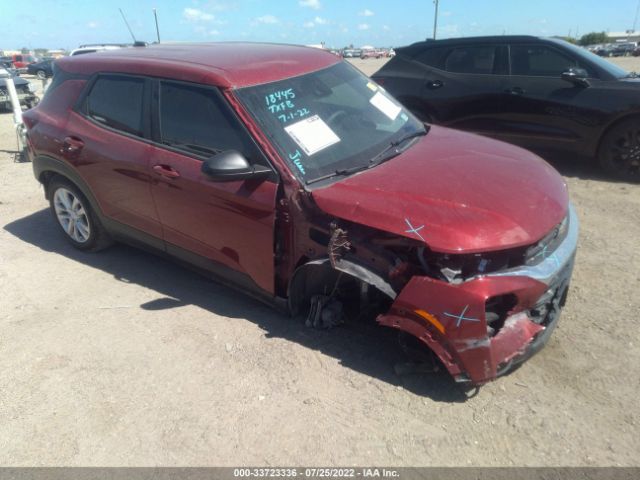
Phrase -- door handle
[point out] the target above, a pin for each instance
(515, 91)
(166, 171)
(434, 84)
(72, 146)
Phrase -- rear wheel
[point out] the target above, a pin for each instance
(619, 152)
(75, 217)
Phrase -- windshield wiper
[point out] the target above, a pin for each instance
(391, 151)
(631, 75)
(338, 172)
(383, 156)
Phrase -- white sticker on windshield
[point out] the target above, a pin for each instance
(312, 134)
(386, 106)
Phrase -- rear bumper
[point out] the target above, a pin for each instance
(452, 318)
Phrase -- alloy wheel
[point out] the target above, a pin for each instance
(72, 215)
(624, 152)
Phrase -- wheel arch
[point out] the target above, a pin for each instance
(613, 124)
(46, 168)
(324, 270)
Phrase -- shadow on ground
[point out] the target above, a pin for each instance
(368, 349)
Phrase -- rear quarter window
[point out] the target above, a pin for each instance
(117, 102)
(432, 57)
(471, 59)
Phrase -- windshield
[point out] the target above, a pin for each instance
(328, 121)
(611, 68)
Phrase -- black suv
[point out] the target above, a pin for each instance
(540, 93)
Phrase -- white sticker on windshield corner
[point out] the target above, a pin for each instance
(312, 134)
(386, 106)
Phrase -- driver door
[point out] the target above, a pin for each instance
(224, 227)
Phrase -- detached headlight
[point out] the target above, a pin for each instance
(32, 88)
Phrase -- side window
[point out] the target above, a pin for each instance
(196, 120)
(117, 102)
(432, 57)
(18, 58)
(539, 61)
(471, 59)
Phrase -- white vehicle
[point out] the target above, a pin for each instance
(93, 48)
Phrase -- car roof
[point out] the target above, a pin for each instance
(418, 46)
(225, 64)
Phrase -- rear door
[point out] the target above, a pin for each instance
(545, 112)
(468, 93)
(109, 143)
(461, 86)
(225, 227)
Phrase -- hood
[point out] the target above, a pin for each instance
(457, 192)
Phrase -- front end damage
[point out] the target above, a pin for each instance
(483, 326)
(480, 314)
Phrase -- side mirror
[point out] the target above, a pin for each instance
(231, 165)
(577, 76)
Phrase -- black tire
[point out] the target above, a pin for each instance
(619, 151)
(83, 230)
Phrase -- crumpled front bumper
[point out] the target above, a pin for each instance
(451, 318)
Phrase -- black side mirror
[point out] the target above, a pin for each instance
(577, 76)
(231, 165)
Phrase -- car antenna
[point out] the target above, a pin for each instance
(127, 24)
(155, 14)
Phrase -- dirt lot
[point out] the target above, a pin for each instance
(124, 358)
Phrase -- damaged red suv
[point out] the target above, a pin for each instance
(285, 172)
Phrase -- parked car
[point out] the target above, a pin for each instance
(42, 69)
(370, 53)
(542, 94)
(7, 66)
(605, 50)
(84, 49)
(24, 89)
(623, 49)
(19, 61)
(351, 53)
(310, 188)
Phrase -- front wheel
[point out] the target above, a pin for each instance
(75, 217)
(619, 152)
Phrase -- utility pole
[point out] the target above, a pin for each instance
(155, 14)
(635, 20)
(435, 19)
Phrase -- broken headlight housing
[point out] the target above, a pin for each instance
(549, 243)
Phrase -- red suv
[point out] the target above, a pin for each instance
(285, 172)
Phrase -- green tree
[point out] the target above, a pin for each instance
(593, 38)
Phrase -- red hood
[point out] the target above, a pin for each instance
(468, 193)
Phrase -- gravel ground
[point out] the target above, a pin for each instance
(124, 358)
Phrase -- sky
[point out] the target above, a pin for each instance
(338, 23)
